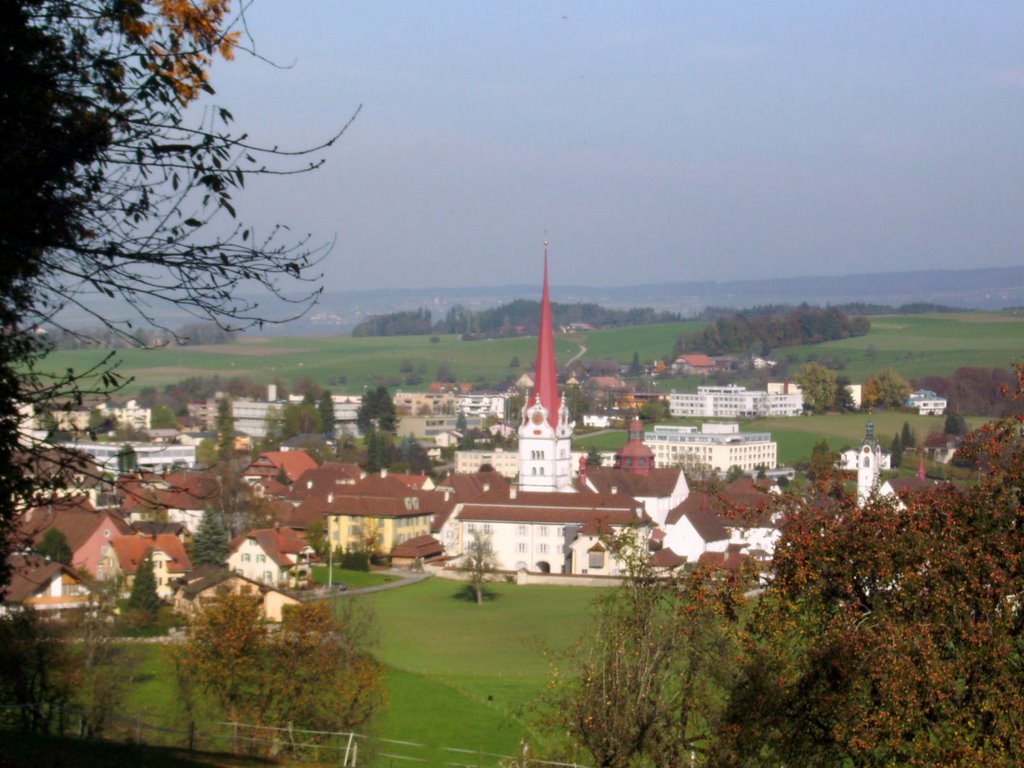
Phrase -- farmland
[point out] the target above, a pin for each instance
(914, 345)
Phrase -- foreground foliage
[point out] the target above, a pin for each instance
(892, 634)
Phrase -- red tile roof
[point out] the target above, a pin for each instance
(74, 516)
(282, 545)
(424, 547)
(294, 463)
(31, 574)
(132, 550)
(658, 483)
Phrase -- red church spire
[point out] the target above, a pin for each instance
(545, 383)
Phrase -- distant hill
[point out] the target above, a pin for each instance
(984, 289)
(340, 311)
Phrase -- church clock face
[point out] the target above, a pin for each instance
(538, 418)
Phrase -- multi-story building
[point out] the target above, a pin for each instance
(425, 403)
(481, 405)
(926, 402)
(715, 446)
(158, 457)
(505, 463)
(734, 402)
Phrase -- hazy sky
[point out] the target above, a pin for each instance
(649, 141)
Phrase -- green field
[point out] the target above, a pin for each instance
(921, 345)
(463, 675)
(458, 674)
(797, 435)
(914, 345)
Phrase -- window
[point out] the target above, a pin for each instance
(267, 576)
(543, 549)
(487, 528)
(542, 531)
(261, 558)
(353, 530)
(246, 557)
(520, 530)
(521, 547)
(596, 559)
(471, 528)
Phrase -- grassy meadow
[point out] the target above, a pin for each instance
(914, 345)
(797, 435)
(458, 674)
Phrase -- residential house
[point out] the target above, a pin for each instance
(415, 552)
(207, 583)
(44, 585)
(86, 529)
(272, 556)
(272, 465)
(926, 402)
(123, 554)
(693, 364)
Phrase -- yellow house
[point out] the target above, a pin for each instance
(375, 524)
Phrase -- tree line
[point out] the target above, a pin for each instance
(517, 318)
(762, 329)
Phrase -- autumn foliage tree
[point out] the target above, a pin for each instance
(644, 685)
(112, 189)
(893, 634)
(314, 672)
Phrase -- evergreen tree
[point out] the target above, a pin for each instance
(907, 436)
(635, 369)
(127, 460)
(326, 408)
(896, 452)
(956, 425)
(225, 426)
(54, 545)
(210, 545)
(143, 601)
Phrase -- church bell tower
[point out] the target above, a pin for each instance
(545, 434)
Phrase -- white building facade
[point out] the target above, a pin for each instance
(734, 402)
(715, 446)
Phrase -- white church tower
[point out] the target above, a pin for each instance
(545, 434)
(868, 465)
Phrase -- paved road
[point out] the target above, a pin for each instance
(405, 578)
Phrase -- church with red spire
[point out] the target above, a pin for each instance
(545, 432)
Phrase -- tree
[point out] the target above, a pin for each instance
(162, 417)
(907, 436)
(886, 389)
(225, 428)
(844, 398)
(480, 563)
(642, 687)
(127, 460)
(819, 386)
(896, 452)
(956, 425)
(635, 369)
(513, 361)
(594, 458)
(376, 410)
(314, 673)
(143, 602)
(54, 545)
(655, 410)
(210, 544)
(890, 634)
(110, 186)
(823, 460)
(326, 410)
(206, 452)
(300, 419)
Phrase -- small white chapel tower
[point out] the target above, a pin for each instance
(868, 465)
(545, 434)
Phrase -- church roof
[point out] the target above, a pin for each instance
(545, 385)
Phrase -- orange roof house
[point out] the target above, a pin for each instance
(270, 464)
(86, 529)
(123, 555)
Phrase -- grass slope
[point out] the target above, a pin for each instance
(464, 675)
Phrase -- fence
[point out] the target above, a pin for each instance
(342, 748)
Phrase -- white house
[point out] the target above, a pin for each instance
(926, 402)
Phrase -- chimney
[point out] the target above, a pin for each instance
(615, 489)
(447, 494)
(330, 497)
(512, 491)
(487, 487)
(583, 470)
(309, 485)
(384, 472)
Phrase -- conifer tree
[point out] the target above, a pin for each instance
(896, 452)
(54, 545)
(143, 601)
(907, 436)
(210, 545)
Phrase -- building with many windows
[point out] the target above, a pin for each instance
(734, 402)
(715, 446)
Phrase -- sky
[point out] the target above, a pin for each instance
(648, 141)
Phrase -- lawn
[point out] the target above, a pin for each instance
(465, 675)
(352, 579)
